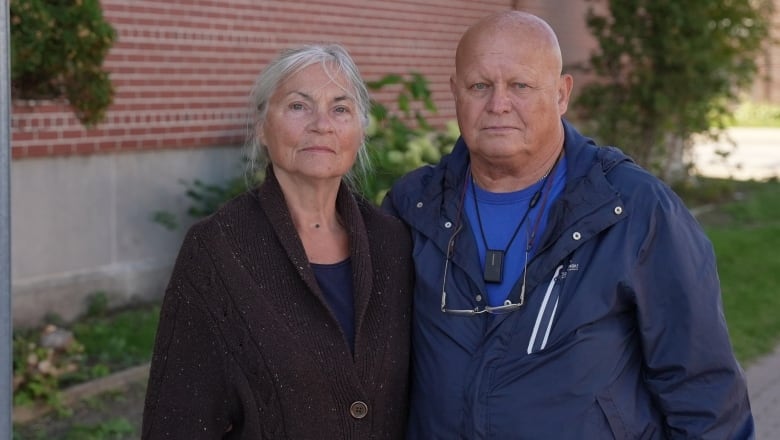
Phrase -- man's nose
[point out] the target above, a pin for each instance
(500, 101)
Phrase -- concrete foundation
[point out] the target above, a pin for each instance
(84, 224)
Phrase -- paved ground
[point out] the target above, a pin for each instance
(764, 387)
(756, 156)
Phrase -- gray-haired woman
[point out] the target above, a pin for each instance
(287, 313)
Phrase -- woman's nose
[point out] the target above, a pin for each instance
(321, 121)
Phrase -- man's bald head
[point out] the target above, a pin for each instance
(527, 29)
(510, 96)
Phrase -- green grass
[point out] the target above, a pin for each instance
(746, 237)
(120, 339)
(752, 114)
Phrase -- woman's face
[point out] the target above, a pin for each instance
(312, 127)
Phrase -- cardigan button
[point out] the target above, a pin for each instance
(358, 409)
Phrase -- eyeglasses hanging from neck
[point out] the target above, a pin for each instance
(493, 271)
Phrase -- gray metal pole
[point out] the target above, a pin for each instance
(6, 327)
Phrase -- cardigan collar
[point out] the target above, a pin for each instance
(272, 202)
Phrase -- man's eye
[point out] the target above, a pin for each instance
(479, 86)
(521, 85)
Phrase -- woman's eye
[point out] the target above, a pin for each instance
(296, 106)
(342, 109)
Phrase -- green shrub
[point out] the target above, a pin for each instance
(57, 51)
(667, 70)
(401, 141)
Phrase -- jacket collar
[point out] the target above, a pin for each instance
(589, 204)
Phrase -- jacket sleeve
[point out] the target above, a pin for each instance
(188, 394)
(690, 367)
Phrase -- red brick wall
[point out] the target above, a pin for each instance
(767, 86)
(182, 69)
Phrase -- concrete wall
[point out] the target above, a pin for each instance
(82, 224)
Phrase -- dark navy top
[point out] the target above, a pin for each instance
(335, 281)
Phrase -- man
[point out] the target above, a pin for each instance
(562, 291)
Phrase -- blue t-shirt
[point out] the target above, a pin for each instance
(335, 281)
(500, 214)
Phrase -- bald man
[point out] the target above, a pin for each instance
(562, 291)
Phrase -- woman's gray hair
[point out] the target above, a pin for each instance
(335, 60)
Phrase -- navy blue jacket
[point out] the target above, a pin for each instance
(622, 334)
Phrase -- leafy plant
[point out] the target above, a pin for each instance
(207, 198)
(39, 370)
(98, 344)
(97, 304)
(57, 51)
(404, 140)
(666, 70)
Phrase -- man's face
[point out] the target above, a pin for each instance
(509, 95)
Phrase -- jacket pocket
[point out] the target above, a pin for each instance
(546, 314)
(614, 420)
(627, 429)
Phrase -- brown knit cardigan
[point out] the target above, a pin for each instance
(247, 343)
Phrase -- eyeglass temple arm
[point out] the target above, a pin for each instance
(450, 251)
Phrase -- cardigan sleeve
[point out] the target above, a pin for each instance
(189, 393)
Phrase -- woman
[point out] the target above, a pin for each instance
(287, 313)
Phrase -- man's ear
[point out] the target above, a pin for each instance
(453, 88)
(565, 85)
